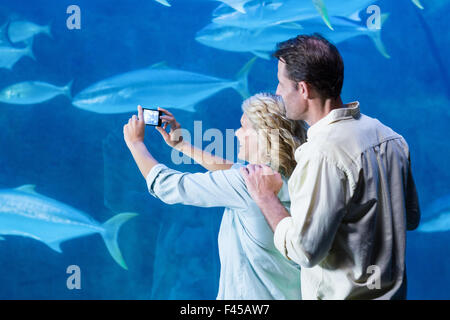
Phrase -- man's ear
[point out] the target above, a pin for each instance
(306, 90)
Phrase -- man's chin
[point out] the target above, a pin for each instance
(290, 116)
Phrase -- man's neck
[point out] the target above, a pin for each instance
(320, 108)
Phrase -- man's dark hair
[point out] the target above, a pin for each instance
(313, 59)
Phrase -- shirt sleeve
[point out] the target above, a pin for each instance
(221, 188)
(317, 189)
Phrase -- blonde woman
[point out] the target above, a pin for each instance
(251, 266)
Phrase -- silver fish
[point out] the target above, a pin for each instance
(259, 15)
(262, 42)
(158, 85)
(24, 212)
(20, 31)
(32, 92)
(9, 56)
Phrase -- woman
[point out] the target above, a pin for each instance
(251, 266)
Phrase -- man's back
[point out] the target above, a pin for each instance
(352, 194)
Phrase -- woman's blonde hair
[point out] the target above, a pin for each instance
(267, 113)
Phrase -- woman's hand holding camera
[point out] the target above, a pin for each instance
(173, 138)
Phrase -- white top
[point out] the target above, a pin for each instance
(251, 266)
(352, 199)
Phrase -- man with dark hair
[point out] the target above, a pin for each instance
(352, 192)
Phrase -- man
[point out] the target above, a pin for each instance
(352, 193)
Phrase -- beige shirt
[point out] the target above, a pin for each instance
(352, 199)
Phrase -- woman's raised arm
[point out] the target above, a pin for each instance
(174, 139)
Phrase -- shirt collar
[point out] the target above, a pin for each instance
(349, 110)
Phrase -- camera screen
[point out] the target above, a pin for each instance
(151, 117)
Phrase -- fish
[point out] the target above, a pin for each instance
(9, 56)
(21, 31)
(158, 85)
(237, 5)
(25, 212)
(437, 216)
(264, 14)
(32, 92)
(262, 42)
(275, 12)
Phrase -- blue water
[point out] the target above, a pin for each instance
(79, 157)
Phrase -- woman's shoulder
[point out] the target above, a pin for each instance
(235, 177)
(235, 173)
